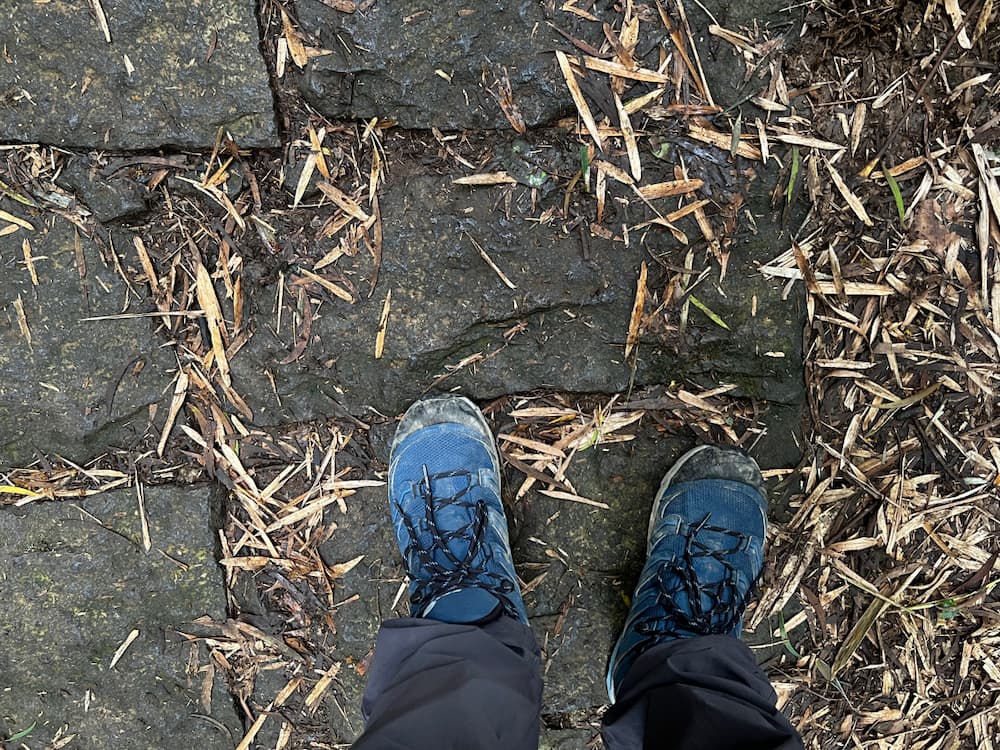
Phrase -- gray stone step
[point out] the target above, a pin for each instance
(76, 583)
(195, 67)
(563, 327)
(565, 739)
(79, 387)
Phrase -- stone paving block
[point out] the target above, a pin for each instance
(364, 530)
(78, 388)
(172, 75)
(434, 64)
(76, 583)
(562, 328)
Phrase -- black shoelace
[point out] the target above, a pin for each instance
(726, 602)
(440, 571)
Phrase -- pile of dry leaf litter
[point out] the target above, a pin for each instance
(892, 552)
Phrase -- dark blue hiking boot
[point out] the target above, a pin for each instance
(444, 495)
(705, 550)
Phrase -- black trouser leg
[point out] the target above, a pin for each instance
(438, 686)
(702, 693)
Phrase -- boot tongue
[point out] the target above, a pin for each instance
(466, 606)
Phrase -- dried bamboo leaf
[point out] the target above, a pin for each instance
(180, 393)
(865, 624)
(958, 20)
(986, 175)
(581, 104)
(304, 177)
(213, 318)
(283, 695)
(857, 126)
(852, 200)
(486, 178)
(102, 20)
(296, 48)
(23, 223)
(985, 14)
(635, 319)
(739, 41)
(765, 147)
(22, 320)
(670, 188)
(795, 139)
(383, 323)
(722, 141)
(29, 262)
(617, 173)
(628, 135)
(120, 652)
(573, 498)
(334, 289)
(344, 202)
(489, 261)
(617, 69)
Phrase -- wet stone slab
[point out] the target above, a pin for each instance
(578, 562)
(454, 323)
(76, 583)
(446, 64)
(110, 195)
(170, 77)
(439, 64)
(77, 388)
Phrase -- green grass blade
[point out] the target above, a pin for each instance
(23, 733)
(796, 166)
(784, 636)
(897, 194)
(711, 315)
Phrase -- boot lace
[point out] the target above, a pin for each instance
(441, 570)
(726, 599)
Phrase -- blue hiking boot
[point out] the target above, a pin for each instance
(444, 496)
(705, 550)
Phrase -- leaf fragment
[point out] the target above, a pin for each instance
(637, 307)
(383, 323)
(581, 104)
(711, 315)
